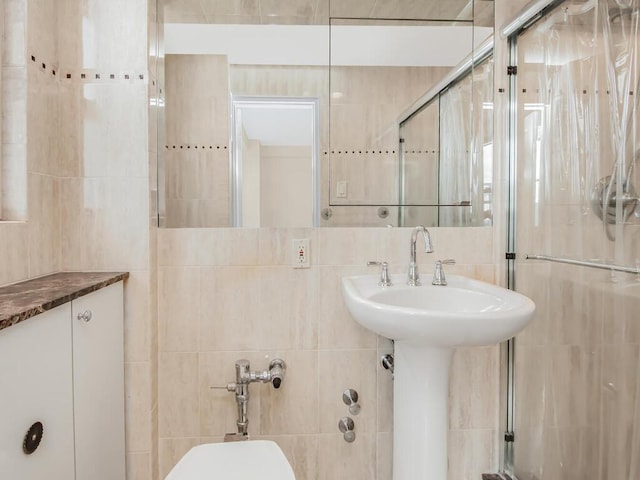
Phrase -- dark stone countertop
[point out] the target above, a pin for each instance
(23, 300)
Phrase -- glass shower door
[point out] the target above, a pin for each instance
(577, 366)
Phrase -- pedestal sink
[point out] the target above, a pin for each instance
(427, 322)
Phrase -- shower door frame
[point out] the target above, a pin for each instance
(510, 32)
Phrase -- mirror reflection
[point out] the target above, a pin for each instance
(446, 165)
(215, 53)
(274, 159)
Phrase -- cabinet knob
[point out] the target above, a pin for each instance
(85, 316)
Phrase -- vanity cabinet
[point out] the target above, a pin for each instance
(65, 369)
(98, 384)
(36, 386)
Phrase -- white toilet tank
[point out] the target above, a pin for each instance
(247, 460)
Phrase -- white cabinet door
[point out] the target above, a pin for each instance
(36, 386)
(98, 382)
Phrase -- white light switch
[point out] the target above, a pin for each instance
(341, 190)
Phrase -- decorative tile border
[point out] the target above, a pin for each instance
(83, 76)
(186, 146)
(374, 151)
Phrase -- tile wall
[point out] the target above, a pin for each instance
(226, 294)
(82, 144)
(196, 150)
(31, 172)
(105, 190)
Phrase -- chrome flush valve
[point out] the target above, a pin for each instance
(277, 369)
(244, 377)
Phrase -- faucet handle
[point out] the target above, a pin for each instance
(438, 274)
(385, 279)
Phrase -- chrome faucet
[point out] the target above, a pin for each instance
(414, 277)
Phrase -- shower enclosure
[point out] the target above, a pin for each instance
(574, 399)
(446, 150)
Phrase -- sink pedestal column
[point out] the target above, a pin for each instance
(420, 413)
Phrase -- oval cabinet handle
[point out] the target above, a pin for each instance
(85, 316)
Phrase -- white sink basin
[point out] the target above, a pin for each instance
(466, 312)
(427, 323)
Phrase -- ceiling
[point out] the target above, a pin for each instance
(317, 12)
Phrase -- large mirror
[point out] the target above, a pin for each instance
(358, 66)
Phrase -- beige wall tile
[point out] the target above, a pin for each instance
(472, 453)
(197, 98)
(138, 466)
(44, 225)
(474, 388)
(155, 440)
(573, 381)
(181, 247)
(232, 246)
(116, 45)
(301, 452)
(336, 328)
(532, 387)
(171, 450)
(288, 317)
(339, 371)
(384, 456)
(573, 447)
(42, 120)
(15, 179)
(339, 459)
(98, 237)
(293, 408)
(15, 253)
(528, 451)
(138, 319)
(138, 418)
(346, 246)
(178, 387)
(179, 312)
(114, 138)
(229, 309)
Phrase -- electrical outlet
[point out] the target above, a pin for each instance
(300, 253)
